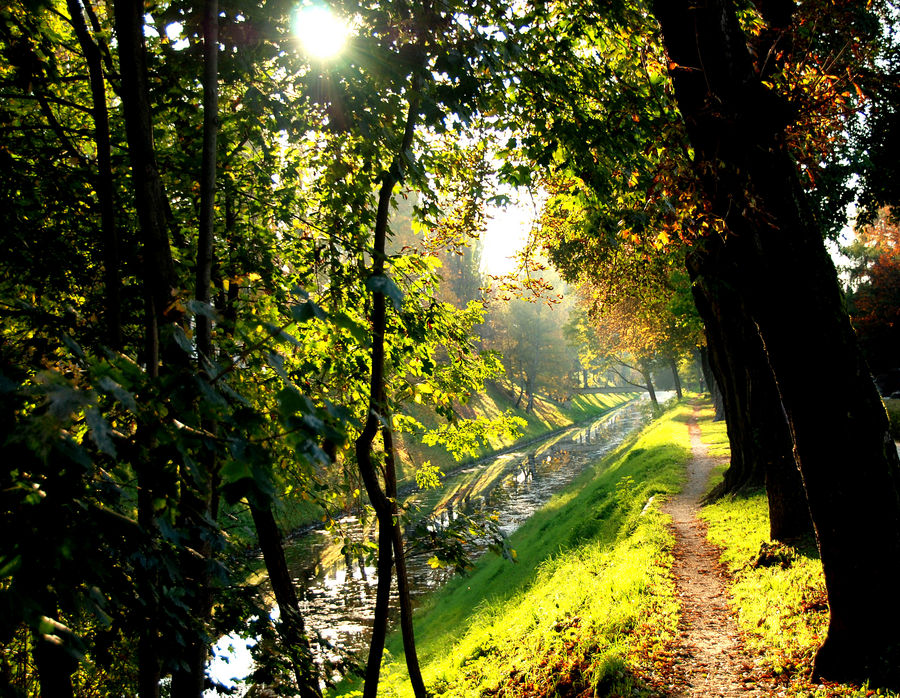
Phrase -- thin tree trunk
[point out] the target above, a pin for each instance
(406, 620)
(150, 199)
(775, 258)
(205, 247)
(112, 281)
(378, 410)
(674, 365)
(290, 623)
(197, 497)
(159, 276)
(648, 382)
(55, 665)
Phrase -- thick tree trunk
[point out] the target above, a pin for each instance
(775, 258)
(761, 446)
(290, 623)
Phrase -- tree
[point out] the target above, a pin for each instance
(874, 298)
(743, 164)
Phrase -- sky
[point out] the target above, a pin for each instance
(507, 233)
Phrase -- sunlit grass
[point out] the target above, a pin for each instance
(590, 604)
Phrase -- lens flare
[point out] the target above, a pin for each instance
(322, 34)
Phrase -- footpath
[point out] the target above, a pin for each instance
(710, 660)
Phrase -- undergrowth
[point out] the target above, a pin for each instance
(590, 605)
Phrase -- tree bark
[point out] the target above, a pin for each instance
(55, 665)
(150, 197)
(674, 366)
(160, 280)
(112, 281)
(644, 370)
(776, 260)
(290, 624)
(198, 497)
(378, 415)
(406, 620)
(761, 446)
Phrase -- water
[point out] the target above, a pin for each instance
(337, 590)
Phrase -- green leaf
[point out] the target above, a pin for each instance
(235, 470)
(200, 308)
(360, 333)
(292, 401)
(108, 385)
(181, 339)
(101, 432)
(302, 312)
(385, 285)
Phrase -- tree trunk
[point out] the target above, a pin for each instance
(112, 281)
(775, 258)
(644, 370)
(712, 385)
(160, 280)
(378, 411)
(674, 365)
(55, 665)
(198, 497)
(290, 623)
(160, 277)
(406, 621)
(702, 381)
(761, 446)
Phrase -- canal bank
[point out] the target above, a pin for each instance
(337, 590)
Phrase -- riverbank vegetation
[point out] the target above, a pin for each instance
(588, 604)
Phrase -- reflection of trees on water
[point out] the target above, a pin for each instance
(338, 601)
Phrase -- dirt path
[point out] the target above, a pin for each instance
(710, 661)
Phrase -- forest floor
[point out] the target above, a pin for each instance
(710, 659)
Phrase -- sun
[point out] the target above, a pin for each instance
(322, 34)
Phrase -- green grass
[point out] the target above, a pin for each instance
(782, 609)
(590, 603)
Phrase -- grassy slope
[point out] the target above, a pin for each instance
(782, 610)
(547, 417)
(590, 602)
